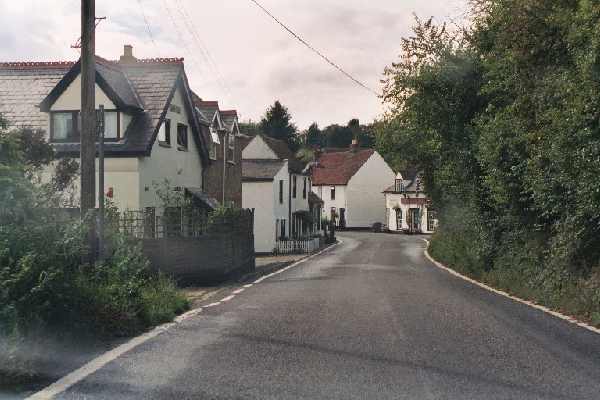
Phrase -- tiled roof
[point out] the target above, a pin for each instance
(245, 140)
(337, 168)
(314, 199)
(229, 117)
(147, 84)
(207, 108)
(279, 147)
(23, 86)
(410, 178)
(260, 170)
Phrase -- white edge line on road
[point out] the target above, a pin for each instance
(94, 365)
(517, 299)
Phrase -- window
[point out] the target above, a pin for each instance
(282, 228)
(430, 220)
(164, 135)
(182, 136)
(231, 148)
(294, 188)
(333, 193)
(281, 192)
(64, 126)
(398, 219)
(399, 186)
(111, 125)
(304, 189)
(213, 151)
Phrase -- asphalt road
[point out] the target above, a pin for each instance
(372, 319)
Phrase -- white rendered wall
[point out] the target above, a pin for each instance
(256, 195)
(324, 192)
(393, 200)
(258, 149)
(183, 168)
(364, 193)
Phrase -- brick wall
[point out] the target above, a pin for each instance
(213, 175)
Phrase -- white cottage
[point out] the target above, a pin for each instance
(350, 183)
(408, 207)
(152, 131)
(276, 187)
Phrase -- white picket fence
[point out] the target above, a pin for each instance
(297, 246)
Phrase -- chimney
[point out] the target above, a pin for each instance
(354, 145)
(127, 57)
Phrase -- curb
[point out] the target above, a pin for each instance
(528, 303)
(99, 362)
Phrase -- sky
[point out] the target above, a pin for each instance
(236, 54)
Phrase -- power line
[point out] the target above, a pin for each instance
(204, 52)
(313, 49)
(147, 23)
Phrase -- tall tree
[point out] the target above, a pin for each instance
(314, 135)
(277, 123)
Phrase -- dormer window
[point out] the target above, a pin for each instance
(65, 126)
(399, 186)
(231, 148)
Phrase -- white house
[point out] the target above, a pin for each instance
(275, 186)
(152, 131)
(350, 183)
(408, 208)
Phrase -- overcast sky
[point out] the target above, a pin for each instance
(234, 53)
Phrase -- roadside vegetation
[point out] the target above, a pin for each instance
(49, 299)
(503, 118)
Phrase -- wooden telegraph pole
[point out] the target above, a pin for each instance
(88, 119)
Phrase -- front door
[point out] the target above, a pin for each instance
(415, 220)
(398, 219)
(342, 217)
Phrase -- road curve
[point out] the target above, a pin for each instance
(371, 319)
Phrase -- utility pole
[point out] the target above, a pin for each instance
(88, 119)
(101, 217)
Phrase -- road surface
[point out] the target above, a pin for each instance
(371, 319)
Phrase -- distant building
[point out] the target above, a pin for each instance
(350, 183)
(223, 175)
(408, 207)
(276, 186)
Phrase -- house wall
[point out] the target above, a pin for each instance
(324, 192)
(121, 174)
(213, 175)
(70, 99)
(256, 196)
(393, 201)
(258, 149)
(183, 168)
(364, 198)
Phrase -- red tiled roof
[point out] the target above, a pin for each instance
(207, 103)
(36, 64)
(338, 167)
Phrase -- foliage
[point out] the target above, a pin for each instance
(45, 291)
(503, 119)
(249, 127)
(277, 123)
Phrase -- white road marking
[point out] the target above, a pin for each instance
(94, 365)
(226, 299)
(517, 299)
(240, 290)
(248, 285)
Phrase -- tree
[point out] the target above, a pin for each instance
(277, 123)
(314, 135)
(249, 127)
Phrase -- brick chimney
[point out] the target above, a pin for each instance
(127, 57)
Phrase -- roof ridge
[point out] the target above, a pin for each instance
(36, 64)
